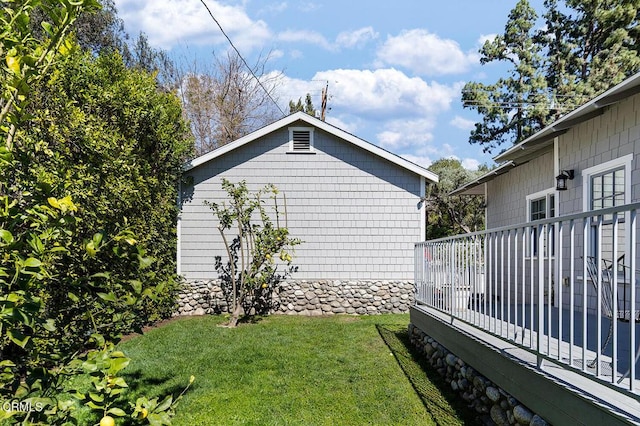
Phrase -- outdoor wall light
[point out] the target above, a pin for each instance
(561, 179)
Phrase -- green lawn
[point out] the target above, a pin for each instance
(289, 370)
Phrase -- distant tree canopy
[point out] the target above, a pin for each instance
(222, 102)
(451, 215)
(226, 101)
(306, 107)
(583, 48)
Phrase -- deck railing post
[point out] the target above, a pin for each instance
(540, 257)
(451, 280)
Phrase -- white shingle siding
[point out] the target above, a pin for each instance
(609, 136)
(357, 213)
(507, 193)
(612, 135)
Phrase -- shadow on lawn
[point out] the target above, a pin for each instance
(445, 407)
(140, 384)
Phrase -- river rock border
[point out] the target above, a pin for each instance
(493, 404)
(309, 297)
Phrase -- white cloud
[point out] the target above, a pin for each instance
(485, 38)
(294, 89)
(309, 7)
(462, 123)
(296, 54)
(423, 161)
(357, 38)
(401, 134)
(310, 37)
(400, 111)
(351, 39)
(168, 23)
(470, 163)
(425, 53)
(349, 127)
(276, 54)
(440, 151)
(385, 93)
(274, 8)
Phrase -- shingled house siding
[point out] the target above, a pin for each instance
(357, 213)
(507, 193)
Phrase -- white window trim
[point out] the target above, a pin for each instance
(545, 193)
(311, 149)
(624, 161)
(540, 194)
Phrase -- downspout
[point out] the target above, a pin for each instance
(423, 209)
(486, 204)
(556, 207)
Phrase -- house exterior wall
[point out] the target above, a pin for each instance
(612, 135)
(358, 214)
(507, 193)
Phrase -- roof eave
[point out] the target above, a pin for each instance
(591, 109)
(389, 156)
(471, 188)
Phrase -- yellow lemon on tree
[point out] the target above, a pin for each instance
(107, 421)
(13, 64)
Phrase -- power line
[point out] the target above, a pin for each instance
(242, 58)
(552, 95)
(516, 104)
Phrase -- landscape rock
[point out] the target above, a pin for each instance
(493, 405)
(304, 297)
(499, 416)
(537, 421)
(522, 414)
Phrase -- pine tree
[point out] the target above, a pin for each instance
(583, 48)
(307, 107)
(591, 45)
(515, 106)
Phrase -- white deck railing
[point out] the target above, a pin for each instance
(562, 288)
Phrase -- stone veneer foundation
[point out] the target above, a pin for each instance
(309, 297)
(493, 404)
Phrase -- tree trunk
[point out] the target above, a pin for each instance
(235, 316)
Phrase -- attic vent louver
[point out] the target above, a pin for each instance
(301, 140)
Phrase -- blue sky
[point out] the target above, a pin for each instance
(394, 68)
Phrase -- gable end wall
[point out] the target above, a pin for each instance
(357, 214)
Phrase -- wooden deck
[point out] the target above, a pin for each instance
(563, 345)
(561, 395)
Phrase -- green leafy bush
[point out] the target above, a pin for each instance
(74, 273)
